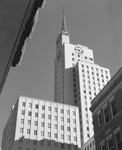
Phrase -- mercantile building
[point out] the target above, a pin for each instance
(107, 115)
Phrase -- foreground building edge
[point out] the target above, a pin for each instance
(106, 108)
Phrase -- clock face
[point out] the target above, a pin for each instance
(78, 49)
(58, 56)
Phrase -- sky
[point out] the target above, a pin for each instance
(96, 24)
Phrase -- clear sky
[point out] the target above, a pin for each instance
(96, 24)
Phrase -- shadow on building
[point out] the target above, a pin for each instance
(44, 144)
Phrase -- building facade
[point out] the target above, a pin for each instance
(38, 124)
(90, 144)
(107, 115)
(77, 79)
(16, 26)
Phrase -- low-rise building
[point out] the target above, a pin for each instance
(90, 144)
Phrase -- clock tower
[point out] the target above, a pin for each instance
(77, 79)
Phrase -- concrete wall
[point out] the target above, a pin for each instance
(15, 17)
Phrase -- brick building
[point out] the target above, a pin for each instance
(107, 115)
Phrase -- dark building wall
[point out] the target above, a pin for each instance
(14, 18)
(103, 131)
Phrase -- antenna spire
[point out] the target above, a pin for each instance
(64, 27)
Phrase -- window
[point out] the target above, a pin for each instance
(28, 131)
(118, 140)
(22, 121)
(56, 117)
(49, 125)
(68, 120)
(62, 111)
(43, 115)
(110, 144)
(27, 148)
(19, 148)
(35, 132)
(30, 105)
(99, 118)
(72, 54)
(21, 130)
(23, 112)
(68, 128)
(43, 107)
(34, 142)
(42, 124)
(113, 108)
(88, 135)
(55, 135)
(72, 59)
(90, 145)
(42, 133)
(68, 137)
(87, 128)
(29, 122)
(56, 109)
(49, 134)
(36, 114)
(36, 123)
(49, 108)
(103, 147)
(36, 106)
(74, 129)
(106, 115)
(55, 126)
(68, 112)
(62, 127)
(62, 145)
(49, 116)
(29, 113)
(23, 103)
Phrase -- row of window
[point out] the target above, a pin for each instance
(49, 108)
(49, 116)
(90, 146)
(49, 125)
(49, 134)
(94, 68)
(88, 58)
(110, 142)
(106, 113)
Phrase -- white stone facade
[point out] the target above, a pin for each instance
(41, 124)
(78, 80)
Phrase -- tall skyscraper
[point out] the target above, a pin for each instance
(36, 124)
(77, 79)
